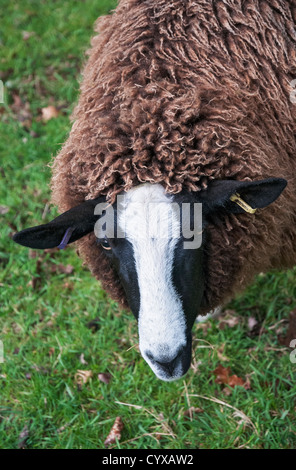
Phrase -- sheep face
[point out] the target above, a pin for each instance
(158, 251)
(162, 278)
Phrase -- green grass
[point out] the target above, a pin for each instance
(44, 313)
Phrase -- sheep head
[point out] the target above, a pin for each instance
(156, 243)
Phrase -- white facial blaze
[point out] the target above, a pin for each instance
(149, 219)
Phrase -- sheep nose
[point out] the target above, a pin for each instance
(165, 361)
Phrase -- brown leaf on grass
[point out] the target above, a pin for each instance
(33, 283)
(21, 110)
(17, 102)
(223, 377)
(252, 322)
(27, 35)
(82, 376)
(23, 437)
(247, 383)
(291, 331)
(82, 360)
(68, 285)
(105, 377)
(229, 318)
(49, 112)
(115, 433)
(220, 353)
(62, 428)
(60, 268)
(3, 210)
(255, 328)
(68, 269)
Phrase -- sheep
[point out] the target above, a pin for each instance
(182, 102)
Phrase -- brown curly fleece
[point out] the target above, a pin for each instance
(180, 92)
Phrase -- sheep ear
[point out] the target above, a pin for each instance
(66, 228)
(242, 196)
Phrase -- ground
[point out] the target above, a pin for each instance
(55, 320)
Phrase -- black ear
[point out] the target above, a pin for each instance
(224, 194)
(66, 228)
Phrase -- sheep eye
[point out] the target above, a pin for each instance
(105, 244)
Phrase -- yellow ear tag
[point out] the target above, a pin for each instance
(240, 202)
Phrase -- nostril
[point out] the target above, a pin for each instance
(166, 364)
(164, 361)
(169, 362)
(149, 355)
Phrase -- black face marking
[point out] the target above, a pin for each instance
(189, 265)
(121, 255)
(188, 280)
(123, 260)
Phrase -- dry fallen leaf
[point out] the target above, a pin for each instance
(255, 328)
(66, 269)
(68, 285)
(104, 378)
(60, 268)
(247, 383)
(220, 354)
(17, 102)
(115, 433)
(49, 112)
(82, 376)
(23, 437)
(62, 428)
(27, 35)
(252, 322)
(21, 110)
(223, 377)
(82, 360)
(229, 318)
(3, 210)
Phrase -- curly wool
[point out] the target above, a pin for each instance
(182, 92)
